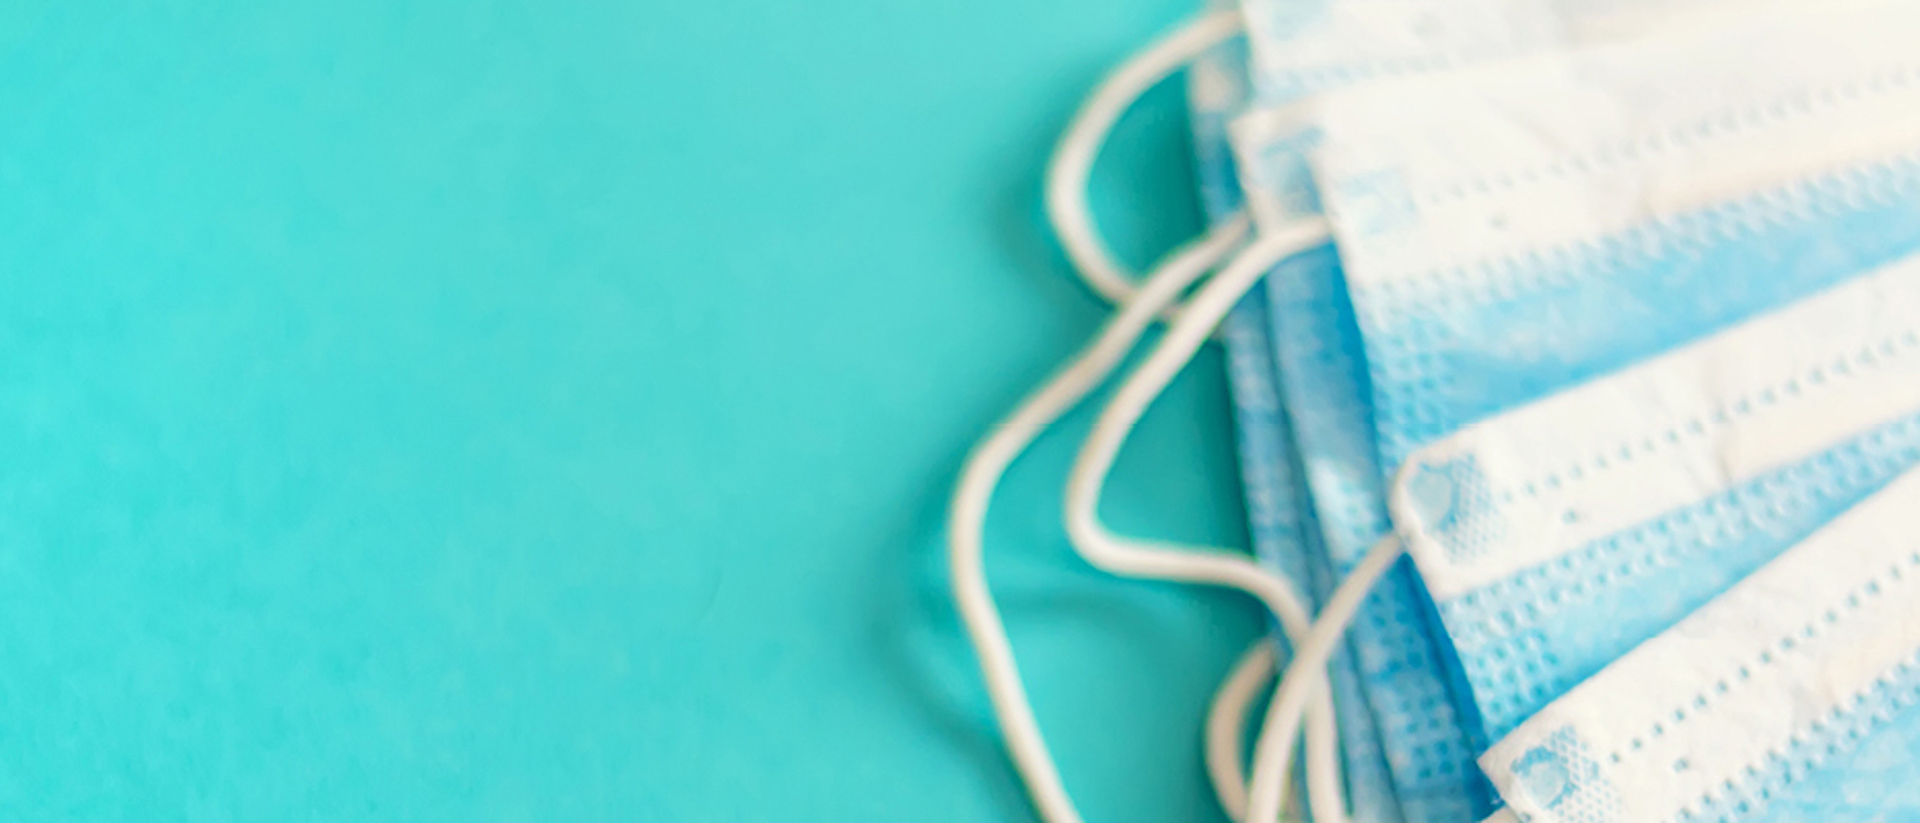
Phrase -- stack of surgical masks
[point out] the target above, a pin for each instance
(1575, 348)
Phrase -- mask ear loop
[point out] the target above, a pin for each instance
(1226, 739)
(1227, 726)
(989, 461)
(1311, 655)
(1067, 178)
(1305, 677)
(1068, 174)
(1072, 163)
(1163, 561)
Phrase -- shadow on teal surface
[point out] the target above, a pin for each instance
(494, 411)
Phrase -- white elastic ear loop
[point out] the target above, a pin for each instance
(1227, 724)
(1310, 655)
(1305, 676)
(1072, 162)
(1226, 732)
(1164, 561)
(989, 461)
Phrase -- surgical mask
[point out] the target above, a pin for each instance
(1556, 537)
(1798, 175)
(1333, 47)
(1280, 245)
(1313, 50)
(1772, 430)
(1220, 87)
(1488, 267)
(1304, 48)
(1790, 698)
(1299, 50)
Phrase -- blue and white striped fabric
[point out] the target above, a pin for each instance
(1636, 320)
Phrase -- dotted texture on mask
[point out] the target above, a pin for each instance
(1530, 638)
(1439, 362)
(1498, 275)
(1392, 640)
(1562, 776)
(1862, 768)
(1837, 732)
(1513, 636)
(1454, 506)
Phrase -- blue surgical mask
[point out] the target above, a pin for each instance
(1299, 50)
(1296, 51)
(1431, 704)
(1727, 182)
(1556, 537)
(1768, 439)
(1790, 698)
(1368, 387)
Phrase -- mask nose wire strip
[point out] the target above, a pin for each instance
(1072, 163)
(989, 461)
(1162, 561)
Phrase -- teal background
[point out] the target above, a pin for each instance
(494, 410)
